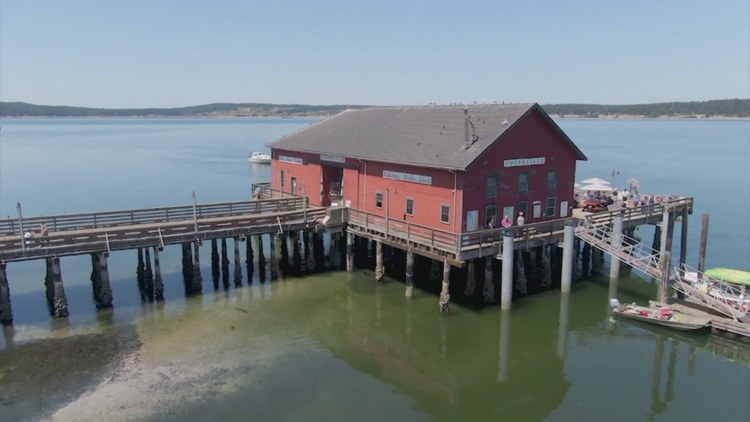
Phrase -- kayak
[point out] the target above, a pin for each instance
(729, 275)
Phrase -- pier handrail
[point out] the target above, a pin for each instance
(61, 222)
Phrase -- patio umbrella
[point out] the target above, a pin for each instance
(595, 181)
(601, 187)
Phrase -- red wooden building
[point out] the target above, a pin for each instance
(453, 168)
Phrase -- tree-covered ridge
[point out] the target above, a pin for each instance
(19, 109)
(735, 108)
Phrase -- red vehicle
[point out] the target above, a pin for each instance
(593, 205)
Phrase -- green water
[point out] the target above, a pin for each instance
(339, 346)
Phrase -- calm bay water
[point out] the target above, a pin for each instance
(336, 346)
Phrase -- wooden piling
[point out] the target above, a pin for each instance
(349, 252)
(59, 308)
(296, 255)
(261, 258)
(521, 283)
(273, 247)
(6, 311)
(224, 264)
(158, 282)
(379, 272)
(100, 281)
(409, 274)
(197, 277)
(215, 266)
(471, 281)
(249, 259)
(148, 276)
(488, 287)
(704, 240)
(237, 263)
(445, 296)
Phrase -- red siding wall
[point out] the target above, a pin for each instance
(530, 137)
(362, 180)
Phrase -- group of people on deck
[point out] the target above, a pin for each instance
(507, 222)
(29, 236)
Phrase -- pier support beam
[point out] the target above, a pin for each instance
(100, 281)
(566, 279)
(148, 276)
(665, 218)
(224, 264)
(261, 258)
(379, 271)
(249, 259)
(350, 252)
(506, 286)
(158, 282)
(6, 312)
(409, 274)
(488, 290)
(237, 263)
(272, 245)
(666, 260)
(197, 277)
(55, 290)
(683, 238)
(614, 265)
(471, 281)
(445, 296)
(215, 268)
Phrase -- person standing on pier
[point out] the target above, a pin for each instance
(505, 222)
(43, 232)
(28, 238)
(521, 220)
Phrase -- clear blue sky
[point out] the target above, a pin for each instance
(172, 53)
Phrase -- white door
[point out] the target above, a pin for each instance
(537, 210)
(563, 209)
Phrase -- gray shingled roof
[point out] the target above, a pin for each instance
(429, 136)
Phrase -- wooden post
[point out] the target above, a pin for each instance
(215, 272)
(249, 259)
(350, 252)
(197, 277)
(704, 240)
(261, 258)
(148, 276)
(409, 273)
(6, 312)
(666, 261)
(379, 271)
(470, 279)
(237, 263)
(488, 290)
(445, 296)
(683, 239)
(59, 301)
(100, 281)
(158, 282)
(273, 256)
(224, 264)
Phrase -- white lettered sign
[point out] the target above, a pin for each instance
(517, 162)
(407, 177)
(288, 159)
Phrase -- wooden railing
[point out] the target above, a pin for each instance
(456, 242)
(62, 222)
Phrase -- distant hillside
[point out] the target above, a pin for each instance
(18, 109)
(736, 108)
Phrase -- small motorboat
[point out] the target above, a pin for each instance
(660, 315)
(258, 157)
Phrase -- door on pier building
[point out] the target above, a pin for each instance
(331, 184)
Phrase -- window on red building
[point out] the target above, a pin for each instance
(409, 206)
(550, 207)
(445, 213)
(490, 186)
(523, 206)
(523, 182)
(378, 199)
(552, 180)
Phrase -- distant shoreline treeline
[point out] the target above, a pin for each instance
(734, 108)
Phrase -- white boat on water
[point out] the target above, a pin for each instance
(258, 157)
